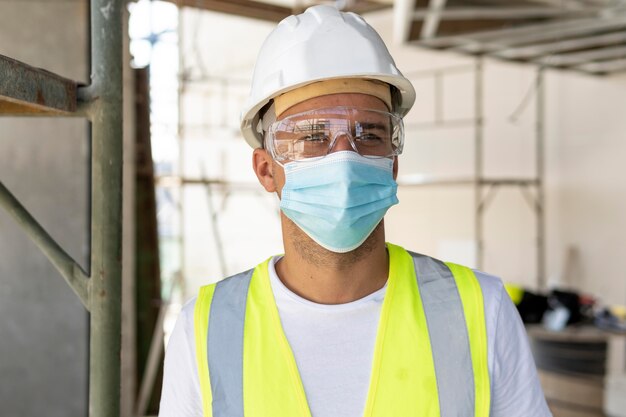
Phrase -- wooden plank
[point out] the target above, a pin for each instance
(561, 410)
(266, 11)
(603, 67)
(500, 13)
(367, 6)
(573, 392)
(532, 51)
(579, 58)
(585, 334)
(245, 8)
(527, 34)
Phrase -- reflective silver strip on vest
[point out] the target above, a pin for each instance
(225, 344)
(449, 340)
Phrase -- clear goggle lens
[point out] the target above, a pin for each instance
(314, 134)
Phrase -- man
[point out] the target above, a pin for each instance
(343, 324)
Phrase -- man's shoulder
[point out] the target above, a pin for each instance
(187, 311)
(488, 282)
(230, 281)
(491, 285)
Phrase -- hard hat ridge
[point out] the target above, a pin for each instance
(324, 13)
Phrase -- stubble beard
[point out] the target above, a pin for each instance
(313, 253)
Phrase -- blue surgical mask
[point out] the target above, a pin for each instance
(338, 200)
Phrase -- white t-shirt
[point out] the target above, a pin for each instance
(334, 344)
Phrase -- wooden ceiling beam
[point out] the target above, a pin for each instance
(576, 44)
(265, 11)
(551, 33)
(603, 67)
(483, 13)
(499, 39)
(245, 8)
(451, 29)
(367, 6)
(561, 60)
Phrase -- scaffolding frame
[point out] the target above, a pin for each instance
(29, 91)
(485, 189)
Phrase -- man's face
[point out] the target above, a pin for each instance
(269, 170)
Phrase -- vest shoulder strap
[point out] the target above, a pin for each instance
(454, 310)
(221, 387)
(474, 309)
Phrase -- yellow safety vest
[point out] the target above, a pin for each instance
(430, 356)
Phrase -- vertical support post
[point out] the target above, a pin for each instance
(478, 161)
(182, 88)
(402, 18)
(539, 151)
(104, 108)
(439, 97)
(217, 236)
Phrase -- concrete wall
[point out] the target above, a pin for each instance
(587, 191)
(44, 162)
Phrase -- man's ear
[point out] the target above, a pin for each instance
(395, 168)
(263, 168)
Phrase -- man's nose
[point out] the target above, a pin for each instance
(342, 143)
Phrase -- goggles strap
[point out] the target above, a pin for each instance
(269, 117)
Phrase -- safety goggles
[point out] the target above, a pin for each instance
(314, 134)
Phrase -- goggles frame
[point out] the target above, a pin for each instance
(347, 113)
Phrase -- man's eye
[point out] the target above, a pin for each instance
(369, 139)
(314, 137)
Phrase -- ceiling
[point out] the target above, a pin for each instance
(582, 35)
(276, 10)
(587, 36)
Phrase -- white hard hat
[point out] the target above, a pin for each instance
(320, 44)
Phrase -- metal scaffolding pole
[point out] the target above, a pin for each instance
(540, 204)
(181, 134)
(103, 101)
(74, 275)
(29, 91)
(478, 162)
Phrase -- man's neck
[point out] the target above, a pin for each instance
(333, 278)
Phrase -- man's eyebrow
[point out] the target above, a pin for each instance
(308, 124)
(373, 125)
